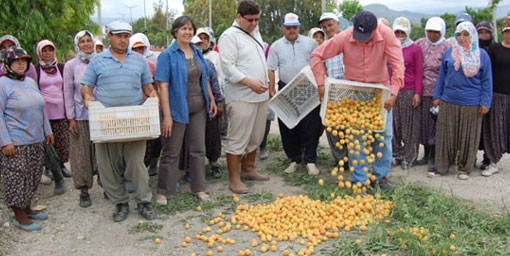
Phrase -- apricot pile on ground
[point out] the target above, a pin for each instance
(296, 219)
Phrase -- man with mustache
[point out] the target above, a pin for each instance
(289, 55)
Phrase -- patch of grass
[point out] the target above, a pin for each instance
(274, 142)
(185, 201)
(324, 154)
(259, 197)
(477, 233)
(143, 226)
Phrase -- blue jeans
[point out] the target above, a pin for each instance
(382, 165)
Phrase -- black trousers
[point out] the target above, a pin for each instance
(302, 139)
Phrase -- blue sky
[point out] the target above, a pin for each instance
(120, 8)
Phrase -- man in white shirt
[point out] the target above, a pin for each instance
(243, 63)
(289, 55)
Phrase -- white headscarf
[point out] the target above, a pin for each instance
(84, 56)
(468, 57)
(140, 37)
(403, 24)
(436, 24)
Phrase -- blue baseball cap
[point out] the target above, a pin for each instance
(290, 19)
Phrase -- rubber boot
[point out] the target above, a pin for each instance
(425, 158)
(58, 177)
(234, 174)
(248, 168)
(432, 161)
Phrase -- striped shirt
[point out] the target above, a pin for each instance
(115, 83)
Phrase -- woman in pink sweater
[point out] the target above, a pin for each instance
(406, 116)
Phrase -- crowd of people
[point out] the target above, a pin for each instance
(446, 94)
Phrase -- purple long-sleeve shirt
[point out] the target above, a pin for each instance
(413, 75)
(73, 72)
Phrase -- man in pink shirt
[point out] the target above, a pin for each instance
(367, 49)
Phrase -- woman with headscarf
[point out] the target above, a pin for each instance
(406, 112)
(8, 41)
(140, 44)
(433, 47)
(50, 80)
(496, 124)
(463, 94)
(99, 46)
(24, 126)
(81, 151)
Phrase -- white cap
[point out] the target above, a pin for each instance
(290, 19)
(117, 27)
(196, 39)
(329, 16)
(203, 30)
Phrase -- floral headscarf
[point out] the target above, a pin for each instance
(84, 56)
(403, 24)
(49, 67)
(468, 57)
(10, 56)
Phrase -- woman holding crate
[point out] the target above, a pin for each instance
(406, 113)
(24, 126)
(187, 101)
(463, 94)
(81, 152)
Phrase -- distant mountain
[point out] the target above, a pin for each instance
(381, 10)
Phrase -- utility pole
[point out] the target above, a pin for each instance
(144, 16)
(99, 18)
(130, 13)
(210, 14)
(323, 6)
(166, 17)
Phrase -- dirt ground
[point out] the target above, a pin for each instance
(72, 230)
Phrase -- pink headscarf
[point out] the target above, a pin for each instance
(49, 67)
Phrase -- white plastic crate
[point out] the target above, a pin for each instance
(336, 90)
(297, 99)
(123, 124)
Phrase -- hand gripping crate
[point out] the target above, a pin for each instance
(336, 90)
(123, 124)
(297, 99)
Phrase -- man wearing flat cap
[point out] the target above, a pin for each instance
(118, 77)
(367, 48)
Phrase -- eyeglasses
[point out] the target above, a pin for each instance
(251, 20)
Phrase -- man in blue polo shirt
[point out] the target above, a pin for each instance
(289, 55)
(118, 77)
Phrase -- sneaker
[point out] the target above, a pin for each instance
(462, 176)
(161, 200)
(263, 154)
(312, 169)
(147, 211)
(121, 212)
(65, 172)
(432, 174)
(203, 197)
(45, 180)
(292, 168)
(490, 170)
